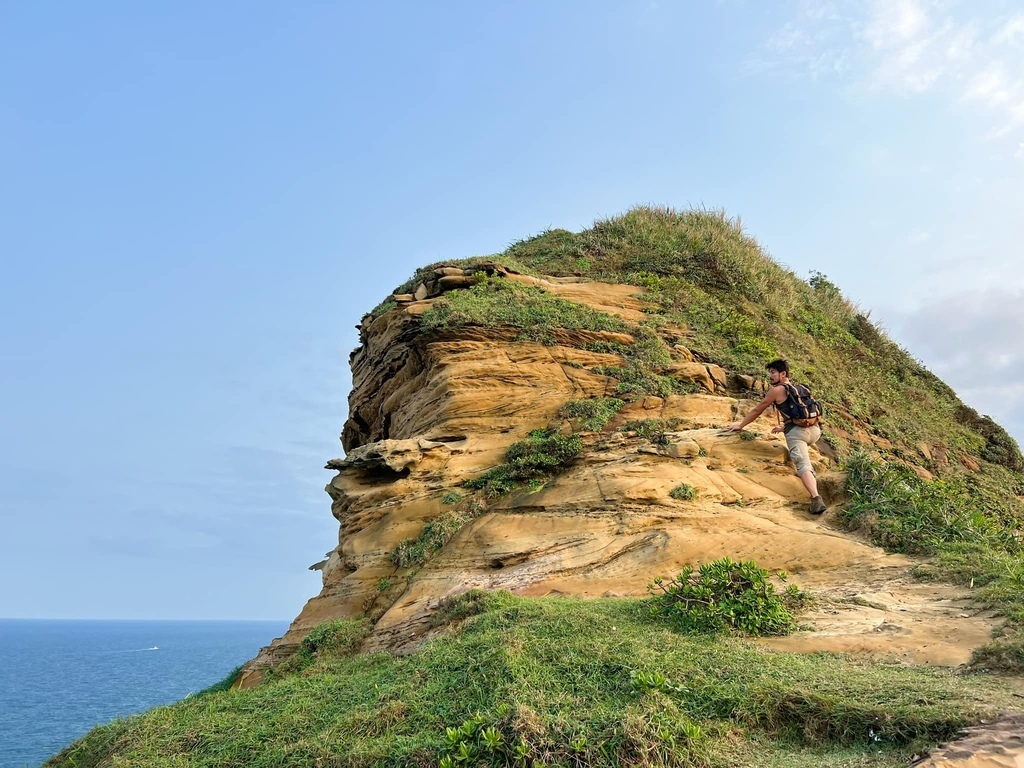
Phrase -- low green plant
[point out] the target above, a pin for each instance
(1004, 655)
(457, 607)
(724, 595)
(537, 457)
(496, 301)
(645, 682)
(683, 492)
(451, 497)
(478, 742)
(905, 513)
(592, 414)
(341, 634)
(648, 429)
(341, 637)
(434, 536)
(643, 362)
(383, 584)
(746, 434)
(383, 308)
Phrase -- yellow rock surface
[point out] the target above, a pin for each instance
(427, 413)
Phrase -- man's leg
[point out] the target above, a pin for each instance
(797, 440)
(810, 483)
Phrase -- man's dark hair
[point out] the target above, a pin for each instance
(780, 366)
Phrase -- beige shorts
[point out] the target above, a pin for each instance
(797, 440)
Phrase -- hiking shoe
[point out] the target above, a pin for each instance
(817, 505)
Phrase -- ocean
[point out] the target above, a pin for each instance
(60, 678)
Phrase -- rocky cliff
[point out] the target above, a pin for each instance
(440, 393)
(546, 425)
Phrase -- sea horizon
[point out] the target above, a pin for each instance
(101, 618)
(64, 676)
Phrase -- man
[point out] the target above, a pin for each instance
(797, 438)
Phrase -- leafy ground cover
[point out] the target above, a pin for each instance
(724, 595)
(553, 682)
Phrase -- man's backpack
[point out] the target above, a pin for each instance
(800, 407)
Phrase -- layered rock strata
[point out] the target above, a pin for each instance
(429, 412)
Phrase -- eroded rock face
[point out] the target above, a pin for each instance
(427, 413)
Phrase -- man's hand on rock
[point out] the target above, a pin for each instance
(734, 427)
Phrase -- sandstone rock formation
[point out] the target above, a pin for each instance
(428, 412)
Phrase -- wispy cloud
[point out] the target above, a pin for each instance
(911, 47)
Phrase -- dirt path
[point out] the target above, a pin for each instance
(883, 611)
(999, 744)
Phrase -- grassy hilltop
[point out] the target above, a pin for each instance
(534, 682)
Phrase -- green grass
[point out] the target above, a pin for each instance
(532, 461)
(435, 534)
(495, 302)
(572, 683)
(971, 530)
(725, 595)
(224, 684)
(593, 414)
(643, 360)
(650, 429)
(683, 492)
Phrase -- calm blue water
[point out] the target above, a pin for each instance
(60, 678)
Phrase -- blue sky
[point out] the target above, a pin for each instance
(200, 200)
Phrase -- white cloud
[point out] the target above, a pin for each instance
(1019, 154)
(960, 47)
(910, 47)
(919, 236)
(894, 22)
(990, 86)
(1011, 33)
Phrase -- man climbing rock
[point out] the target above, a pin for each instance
(800, 414)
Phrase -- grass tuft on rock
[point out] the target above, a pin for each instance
(495, 302)
(592, 414)
(435, 534)
(532, 460)
(683, 492)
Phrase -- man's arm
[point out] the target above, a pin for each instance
(769, 399)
